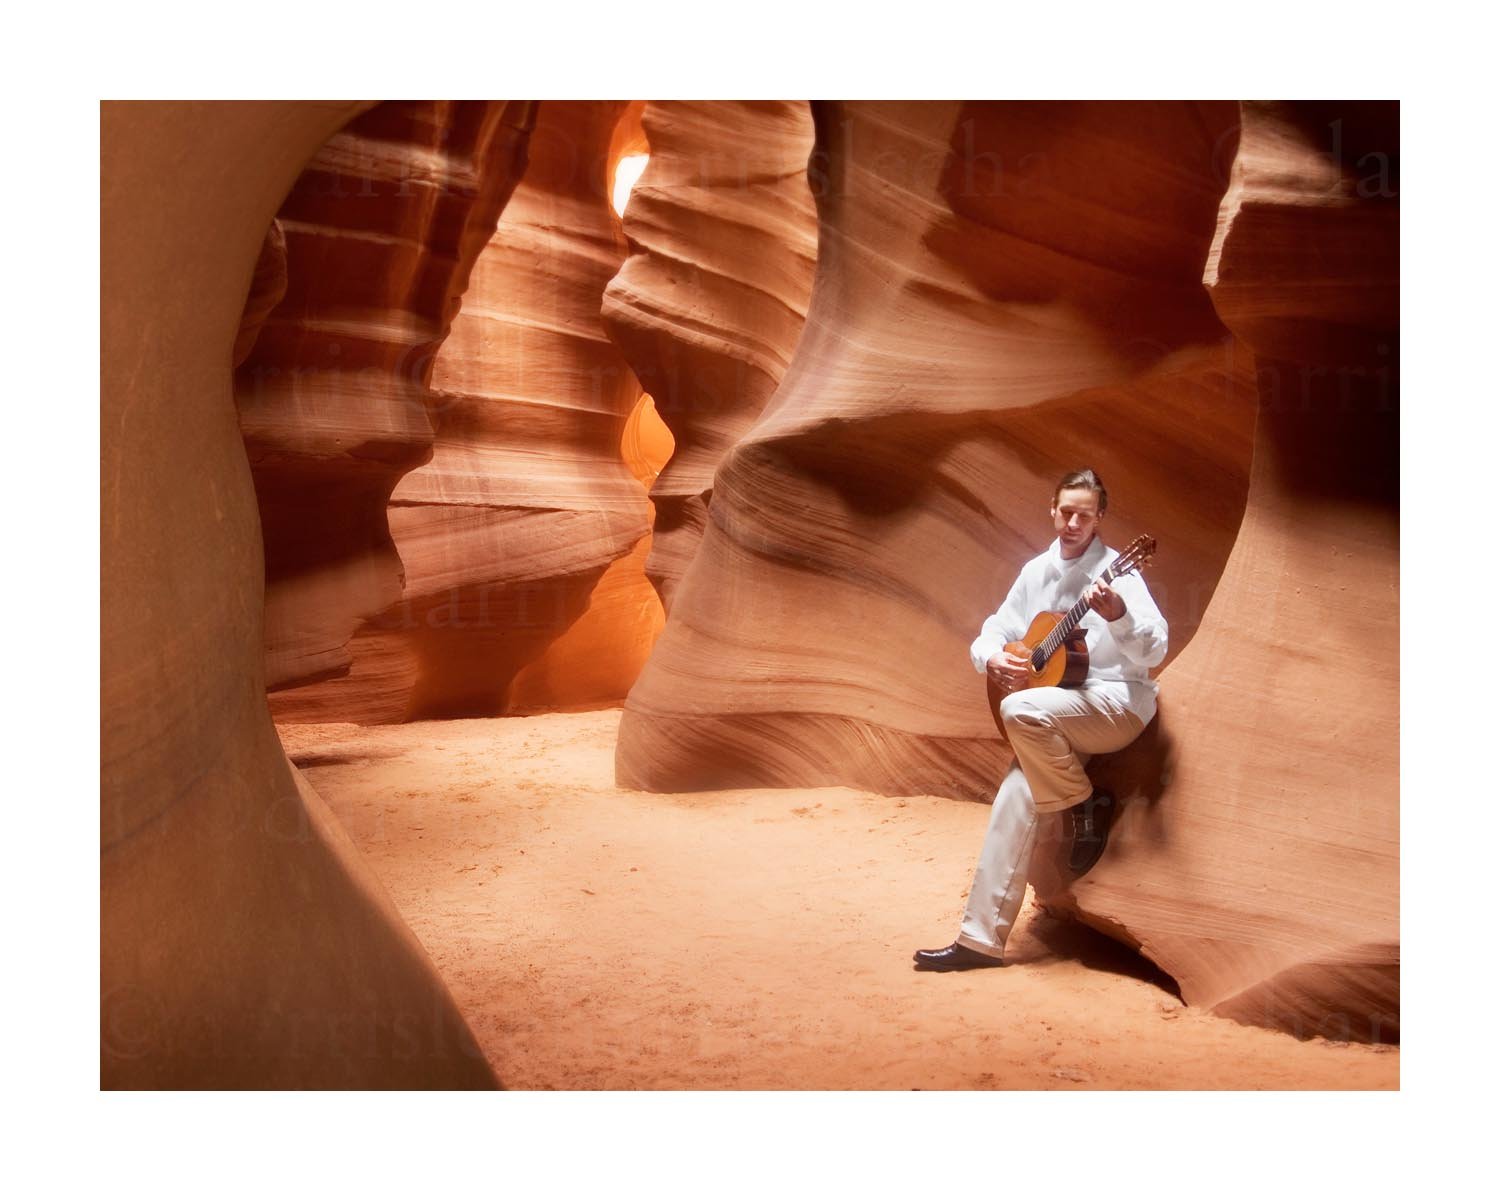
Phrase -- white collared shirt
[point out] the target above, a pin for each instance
(1121, 652)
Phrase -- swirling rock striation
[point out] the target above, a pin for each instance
(380, 230)
(527, 499)
(1257, 859)
(708, 309)
(597, 660)
(1003, 291)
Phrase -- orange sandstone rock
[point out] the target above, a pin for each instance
(267, 288)
(381, 230)
(243, 940)
(597, 660)
(527, 499)
(1256, 859)
(709, 306)
(1003, 291)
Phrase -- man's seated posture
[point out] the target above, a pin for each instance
(1054, 730)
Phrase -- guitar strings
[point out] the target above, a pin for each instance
(1050, 644)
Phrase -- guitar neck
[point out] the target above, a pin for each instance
(1068, 623)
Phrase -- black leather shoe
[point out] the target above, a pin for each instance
(954, 958)
(1091, 820)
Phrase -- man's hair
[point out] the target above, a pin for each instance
(1084, 477)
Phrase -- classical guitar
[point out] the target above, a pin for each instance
(1054, 642)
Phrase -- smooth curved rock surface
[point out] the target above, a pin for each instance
(709, 307)
(243, 941)
(267, 289)
(527, 499)
(1003, 291)
(381, 230)
(597, 660)
(1257, 855)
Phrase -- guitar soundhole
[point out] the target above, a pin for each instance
(1037, 661)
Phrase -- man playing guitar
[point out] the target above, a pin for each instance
(1056, 729)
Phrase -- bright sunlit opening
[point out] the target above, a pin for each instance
(626, 175)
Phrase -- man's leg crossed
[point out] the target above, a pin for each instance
(1055, 732)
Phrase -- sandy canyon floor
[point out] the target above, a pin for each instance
(758, 939)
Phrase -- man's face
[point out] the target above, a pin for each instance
(1075, 516)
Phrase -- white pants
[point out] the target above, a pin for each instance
(1054, 733)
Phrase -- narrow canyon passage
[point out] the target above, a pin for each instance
(403, 422)
(602, 938)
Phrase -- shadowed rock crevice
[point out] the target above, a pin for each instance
(710, 304)
(381, 231)
(526, 500)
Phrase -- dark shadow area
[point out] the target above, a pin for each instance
(1068, 939)
(1137, 774)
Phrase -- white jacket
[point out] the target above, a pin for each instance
(1121, 652)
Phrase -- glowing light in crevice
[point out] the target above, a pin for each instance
(627, 172)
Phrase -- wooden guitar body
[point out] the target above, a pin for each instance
(1069, 666)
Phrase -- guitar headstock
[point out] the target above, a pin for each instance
(1135, 556)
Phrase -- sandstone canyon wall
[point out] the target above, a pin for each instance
(381, 231)
(1263, 870)
(1007, 290)
(243, 942)
(1002, 291)
(708, 308)
(505, 534)
(597, 659)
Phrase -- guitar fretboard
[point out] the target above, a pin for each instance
(1053, 641)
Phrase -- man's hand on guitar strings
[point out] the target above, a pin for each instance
(1104, 600)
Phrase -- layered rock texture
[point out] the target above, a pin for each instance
(371, 252)
(1258, 862)
(243, 941)
(1003, 291)
(1197, 299)
(597, 659)
(709, 307)
(506, 532)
